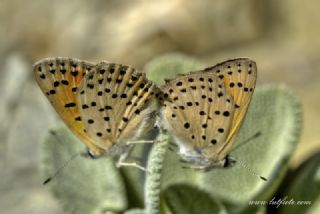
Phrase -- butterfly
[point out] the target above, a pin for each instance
(105, 105)
(204, 110)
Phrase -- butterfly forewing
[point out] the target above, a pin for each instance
(198, 110)
(239, 77)
(115, 103)
(59, 79)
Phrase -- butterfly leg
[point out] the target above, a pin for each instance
(196, 168)
(146, 142)
(133, 164)
(140, 142)
(121, 162)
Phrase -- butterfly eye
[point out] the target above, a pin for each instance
(89, 154)
(229, 162)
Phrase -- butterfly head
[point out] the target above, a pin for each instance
(206, 161)
(90, 154)
(115, 150)
(93, 152)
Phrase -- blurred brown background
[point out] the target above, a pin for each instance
(282, 36)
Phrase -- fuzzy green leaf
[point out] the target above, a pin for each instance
(84, 185)
(304, 189)
(169, 65)
(188, 200)
(135, 211)
(259, 209)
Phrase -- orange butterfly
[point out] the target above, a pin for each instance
(106, 105)
(204, 110)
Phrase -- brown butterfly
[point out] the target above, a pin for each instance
(106, 105)
(204, 110)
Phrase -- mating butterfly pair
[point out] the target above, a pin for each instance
(109, 105)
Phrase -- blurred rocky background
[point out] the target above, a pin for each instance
(282, 36)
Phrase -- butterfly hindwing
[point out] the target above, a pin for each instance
(59, 79)
(115, 102)
(198, 110)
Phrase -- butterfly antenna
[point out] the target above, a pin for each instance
(256, 135)
(250, 170)
(60, 168)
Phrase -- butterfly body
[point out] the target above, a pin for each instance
(204, 110)
(105, 105)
